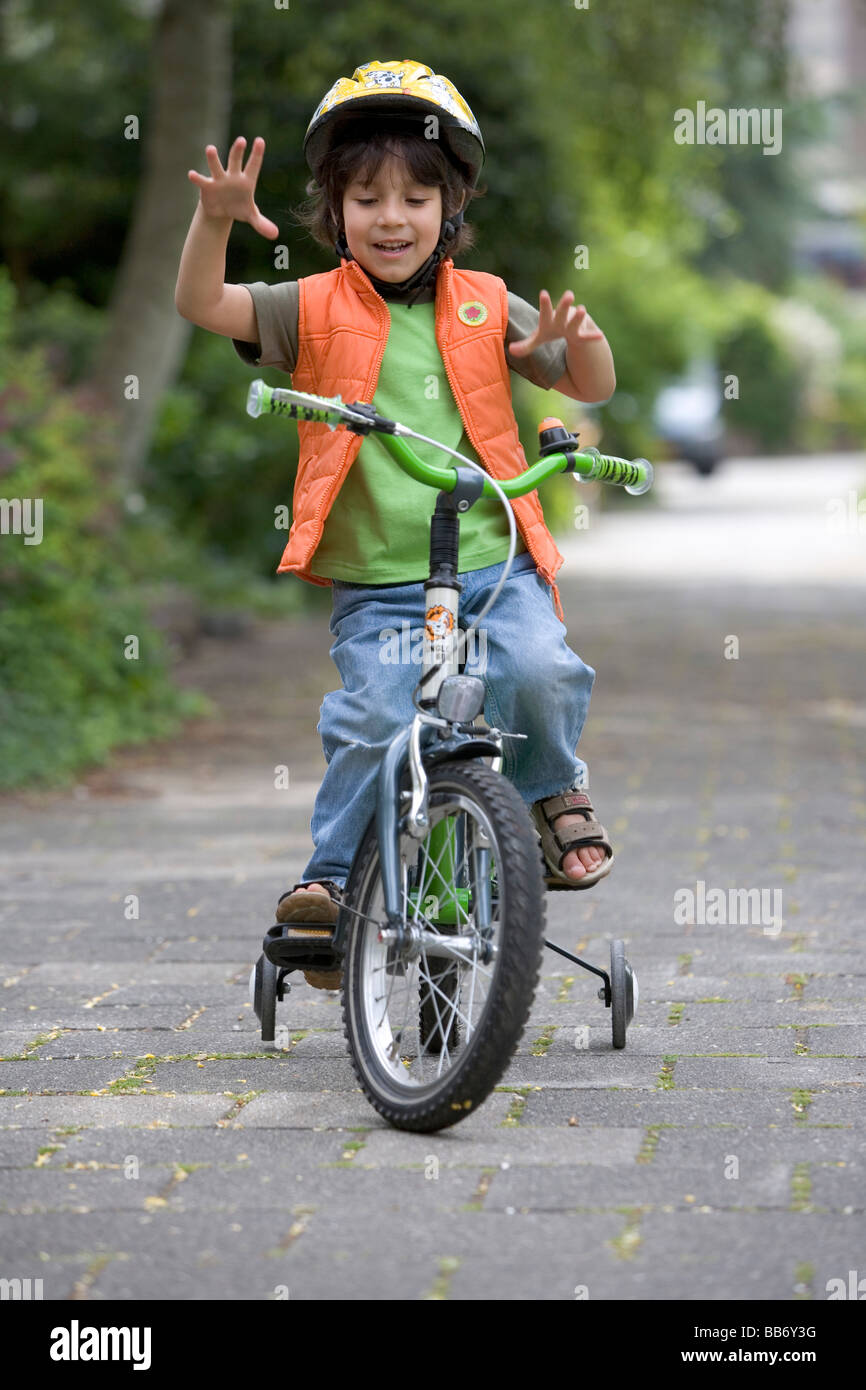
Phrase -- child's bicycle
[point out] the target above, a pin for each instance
(442, 924)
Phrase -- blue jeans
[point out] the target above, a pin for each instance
(535, 684)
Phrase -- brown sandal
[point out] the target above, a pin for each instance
(316, 915)
(557, 844)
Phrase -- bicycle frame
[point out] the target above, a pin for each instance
(429, 739)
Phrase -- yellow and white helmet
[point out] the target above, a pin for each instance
(395, 90)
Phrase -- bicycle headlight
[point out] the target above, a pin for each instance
(461, 698)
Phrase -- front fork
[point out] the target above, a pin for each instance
(400, 812)
(430, 739)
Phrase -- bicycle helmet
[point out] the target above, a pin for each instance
(399, 88)
(400, 95)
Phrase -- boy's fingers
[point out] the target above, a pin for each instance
(264, 226)
(254, 163)
(213, 161)
(234, 164)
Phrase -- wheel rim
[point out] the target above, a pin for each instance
(633, 992)
(619, 993)
(398, 987)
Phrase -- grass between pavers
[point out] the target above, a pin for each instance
(141, 1079)
(649, 1144)
(543, 1041)
(801, 1100)
(518, 1104)
(441, 1290)
(665, 1080)
(675, 1014)
(476, 1201)
(31, 1047)
(804, 1273)
(81, 1288)
(626, 1245)
(565, 989)
(295, 1231)
(798, 983)
(230, 1117)
(351, 1149)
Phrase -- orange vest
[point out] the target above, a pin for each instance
(342, 333)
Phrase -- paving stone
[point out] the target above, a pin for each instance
(838, 1186)
(838, 1041)
(769, 1072)
(701, 1040)
(16, 1042)
(45, 1077)
(275, 1074)
(37, 1191)
(309, 1110)
(18, 1149)
(292, 1152)
(329, 1042)
(609, 1108)
(513, 1145)
(839, 1106)
(756, 1147)
(572, 1067)
(42, 1112)
(597, 1186)
(756, 1258)
(338, 1185)
(134, 1018)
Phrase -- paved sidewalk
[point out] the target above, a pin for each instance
(151, 1149)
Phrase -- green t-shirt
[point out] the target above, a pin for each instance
(378, 528)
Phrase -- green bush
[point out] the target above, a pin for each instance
(69, 607)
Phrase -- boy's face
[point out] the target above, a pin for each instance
(392, 224)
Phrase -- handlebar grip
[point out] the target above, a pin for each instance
(635, 475)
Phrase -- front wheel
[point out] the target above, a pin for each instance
(433, 1019)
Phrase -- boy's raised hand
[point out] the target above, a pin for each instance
(565, 321)
(229, 192)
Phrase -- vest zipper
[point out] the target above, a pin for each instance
(541, 568)
(338, 481)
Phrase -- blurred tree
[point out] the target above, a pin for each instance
(146, 337)
(577, 109)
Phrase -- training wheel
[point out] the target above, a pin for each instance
(623, 992)
(263, 996)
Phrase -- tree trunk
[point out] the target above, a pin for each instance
(146, 338)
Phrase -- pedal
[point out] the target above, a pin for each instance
(302, 945)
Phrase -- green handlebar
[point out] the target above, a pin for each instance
(636, 476)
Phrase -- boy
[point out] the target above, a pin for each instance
(396, 153)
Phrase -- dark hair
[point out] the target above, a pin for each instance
(350, 159)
